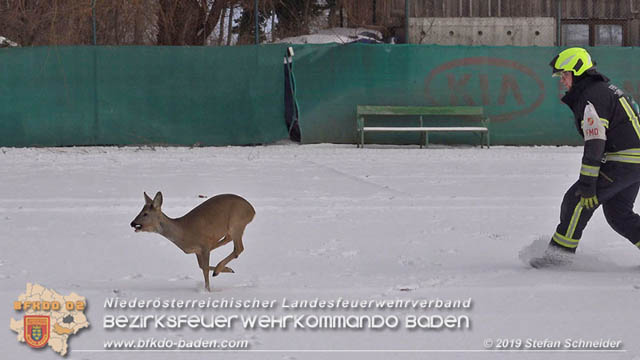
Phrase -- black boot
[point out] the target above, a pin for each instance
(555, 255)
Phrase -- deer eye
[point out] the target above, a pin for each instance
(145, 214)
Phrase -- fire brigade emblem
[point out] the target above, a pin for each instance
(36, 330)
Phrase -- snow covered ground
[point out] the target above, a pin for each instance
(380, 223)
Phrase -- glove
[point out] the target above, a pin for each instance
(589, 202)
(587, 193)
(587, 184)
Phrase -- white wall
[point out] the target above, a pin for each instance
(483, 31)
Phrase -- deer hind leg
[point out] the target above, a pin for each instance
(238, 247)
(203, 262)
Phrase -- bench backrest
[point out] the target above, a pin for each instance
(419, 110)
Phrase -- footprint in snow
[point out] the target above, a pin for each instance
(182, 277)
(133, 277)
(404, 261)
(351, 253)
(407, 287)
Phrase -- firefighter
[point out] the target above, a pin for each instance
(607, 119)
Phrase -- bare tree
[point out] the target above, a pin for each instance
(187, 22)
(69, 22)
(126, 22)
(31, 22)
(172, 22)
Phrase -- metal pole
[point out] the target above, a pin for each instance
(406, 21)
(559, 25)
(256, 15)
(96, 120)
(93, 18)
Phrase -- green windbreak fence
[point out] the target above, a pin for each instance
(51, 96)
(513, 84)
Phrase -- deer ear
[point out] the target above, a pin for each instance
(157, 200)
(147, 199)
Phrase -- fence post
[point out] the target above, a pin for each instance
(96, 121)
(93, 20)
(406, 21)
(559, 24)
(256, 15)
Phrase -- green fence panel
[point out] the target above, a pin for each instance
(46, 96)
(514, 84)
(52, 96)
(187, 95)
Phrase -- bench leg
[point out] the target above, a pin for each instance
(421, 133)
(360, 124)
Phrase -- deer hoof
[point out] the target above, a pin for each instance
(225, 270)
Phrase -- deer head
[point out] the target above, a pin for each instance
(149, 217)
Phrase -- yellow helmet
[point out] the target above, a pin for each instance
(577, 60)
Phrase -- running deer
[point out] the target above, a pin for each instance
(215, 222)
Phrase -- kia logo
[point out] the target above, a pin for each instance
(507, 89)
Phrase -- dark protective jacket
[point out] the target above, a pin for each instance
(605, 117)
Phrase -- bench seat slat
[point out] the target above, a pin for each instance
(420, 110)
(396, 128)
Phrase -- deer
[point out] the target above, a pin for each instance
(215, 222)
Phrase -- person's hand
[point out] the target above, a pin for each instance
(589, 202)
(588, 197)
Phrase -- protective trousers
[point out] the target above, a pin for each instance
(617, 188)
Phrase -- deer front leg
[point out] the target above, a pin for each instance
(203, 262)
(223, 241)
(226, 269)
(226, 239)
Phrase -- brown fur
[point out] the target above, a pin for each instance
(217, 221)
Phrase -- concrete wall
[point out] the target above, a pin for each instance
(540, 31)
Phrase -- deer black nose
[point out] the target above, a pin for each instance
(133, 224)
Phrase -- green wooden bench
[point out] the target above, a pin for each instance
(476, 112)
